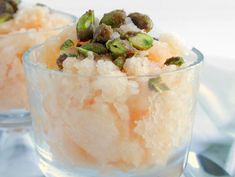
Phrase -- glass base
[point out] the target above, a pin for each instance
(17, 154)
(14, 118)
(52, 170)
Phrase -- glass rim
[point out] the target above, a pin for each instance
(73, 19)
(28, 62)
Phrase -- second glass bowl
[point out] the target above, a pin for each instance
(13, 97)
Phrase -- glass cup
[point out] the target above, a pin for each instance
(105, 126)
(15, 120)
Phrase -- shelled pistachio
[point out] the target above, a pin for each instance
(141, 21)
(141, 41)
(97, 48)
(119, 47)
(103, 33)
(114, 18)
(178, 61)
(157, 85)
(85, 26)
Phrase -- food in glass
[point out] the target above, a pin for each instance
(25, 27)
(109, 99)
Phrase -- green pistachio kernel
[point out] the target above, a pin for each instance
(60, 60)
(119, 62)
(141, 21)
(178, 61)
(95, 47)
(5, 17)
(141, 41)
(85, 26)
(157, 85)
(103, 33)
(114, 18)
(119, 47)
(67, 44)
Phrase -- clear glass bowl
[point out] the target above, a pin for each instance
(13, 98)
(110, 125)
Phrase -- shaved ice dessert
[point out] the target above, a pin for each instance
(20, 30)
(109, 99)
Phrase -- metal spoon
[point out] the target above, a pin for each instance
(201, 166)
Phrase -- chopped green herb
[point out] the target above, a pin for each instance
(178, 61)
(157, 85)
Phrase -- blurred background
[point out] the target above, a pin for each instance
(207, 24)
